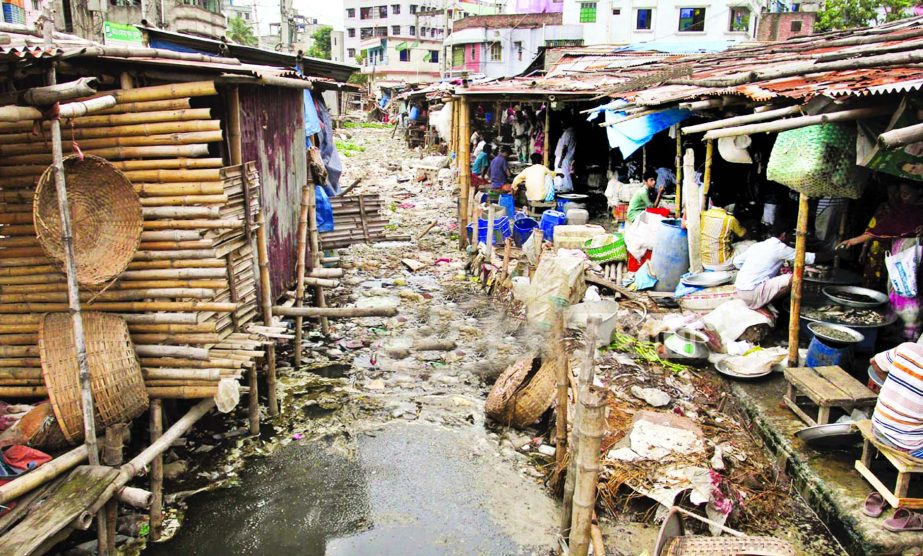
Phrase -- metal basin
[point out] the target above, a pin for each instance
(834, 435)
(848, 335)
(834, 293)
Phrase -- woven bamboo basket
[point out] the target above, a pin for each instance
(105, 214)
(728, 546)
(522, 396)
(115, 373)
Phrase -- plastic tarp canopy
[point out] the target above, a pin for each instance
(630, 135)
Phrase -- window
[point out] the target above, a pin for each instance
(405, 55)
(496, 52)
(517, 47)
(351, 52)
(458, 56)
(434, 56)
(617, 11)
(413, 8)
(413, 31)
(643, 20)
(350, 33)
(37, 5)
(395, 29)
(350, 12)
(740, 20)
(423, 31)
(382, 11)
(691, 19)
(365, 13)
(587, 12)
(381, 31)
(365, 32)
(395, 9)
(796, 27)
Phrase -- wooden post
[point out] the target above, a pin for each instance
(112, 456)
(693, 211)
(706, 178)
(679, 171)
(584, 380)
(156, 427)
(546, 156)
(476, 227)
(563, 380)
(507, 252)
(464, 170)
(262, 245)
(302, 249)
(490, 232)
(801, 233)
(73, 291)
(592, 427)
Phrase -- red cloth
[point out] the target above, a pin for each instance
(23, 457)
(634, 264)
(665, 212)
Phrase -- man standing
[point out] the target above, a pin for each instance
(758, 281)
(537, 179)
(500, 169)
(717, 229)
(641, 200)
(564, 159)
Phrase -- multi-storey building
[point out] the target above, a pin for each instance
(87, 18)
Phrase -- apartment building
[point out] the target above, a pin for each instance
(202, 18)
(680, 25)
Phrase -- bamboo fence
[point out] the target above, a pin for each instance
(190, 290)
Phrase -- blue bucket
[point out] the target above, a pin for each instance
(550, 219)
(824, 355)
(506, 201)
(522, 230)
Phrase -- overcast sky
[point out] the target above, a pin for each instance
(329, 12)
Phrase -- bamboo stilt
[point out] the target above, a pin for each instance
(563, 380)
(266, 303)
(464, 170)
(302, 247)
(156, 430)
(801, 233)
(314, 239)
(592, 425)
(679, 172)
(112, 456)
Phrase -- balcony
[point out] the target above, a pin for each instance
(197, 20)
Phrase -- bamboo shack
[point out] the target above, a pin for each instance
(143, 263)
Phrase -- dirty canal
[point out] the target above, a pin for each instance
(383, 447)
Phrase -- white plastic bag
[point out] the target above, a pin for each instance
(557, 283)
(641, 234)
(902, 270)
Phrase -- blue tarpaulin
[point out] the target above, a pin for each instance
(632, 134)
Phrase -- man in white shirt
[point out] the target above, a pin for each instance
(758, 281)
(537, 179)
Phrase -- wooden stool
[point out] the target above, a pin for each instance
(827, 387)
(536, 208)
(905, 465)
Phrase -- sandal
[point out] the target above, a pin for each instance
(904, 520)
(874, 505)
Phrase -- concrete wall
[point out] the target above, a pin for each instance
(785, 25)
(621, 27)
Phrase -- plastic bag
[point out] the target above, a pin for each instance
(228, 395)
(324, 210)
(644, 280)
(902, 271)
(557, 283)
(641, 234)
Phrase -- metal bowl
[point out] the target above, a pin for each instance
(833, 435)
(710, 279)
(832, 293)
(817, 328)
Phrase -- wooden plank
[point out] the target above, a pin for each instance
(901, 461)
(798, 411)
(852, 388)
(877, 484)
(819, 389)
(61, 506)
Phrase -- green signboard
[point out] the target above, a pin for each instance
(119, 33)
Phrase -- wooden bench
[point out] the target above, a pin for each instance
(905, 465)
(536, 208)
(826, 387)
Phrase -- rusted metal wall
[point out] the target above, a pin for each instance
(272, 134)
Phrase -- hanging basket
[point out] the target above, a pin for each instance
(115, 373)
(106, 218)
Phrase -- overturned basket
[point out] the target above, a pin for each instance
(115, 373)
(523, 392)
(106, 218)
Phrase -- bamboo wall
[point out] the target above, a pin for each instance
(190, 289)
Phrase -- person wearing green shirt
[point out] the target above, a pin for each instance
(641, 200)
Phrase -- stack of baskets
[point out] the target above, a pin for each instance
(606, 248)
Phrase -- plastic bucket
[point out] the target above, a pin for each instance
(550, 219)
(670, 257)
(821, 354)
(522, 230)
(506, 201)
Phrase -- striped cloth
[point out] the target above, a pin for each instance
(898, 415)
(715, 244)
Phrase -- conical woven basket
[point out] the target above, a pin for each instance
(519, 399)
(106, 218)
(115, 372)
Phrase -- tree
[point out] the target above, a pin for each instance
(320, 43)
(239, 31)
(846, 14)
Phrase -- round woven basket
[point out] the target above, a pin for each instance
(106, 218)
(115, 373)
(520, 397)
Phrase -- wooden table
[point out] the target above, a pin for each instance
(905, 465)
(826, 387)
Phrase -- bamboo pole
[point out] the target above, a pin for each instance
(490, 232)
(314, 264)
(91, 145)
(706, 178)
(745, 119)
(165, 92)
(801, 121)
(180, 200)
(162, 151)
(901, 136)
(546, 144)
(73, 292)
(563, 379)
(112, 456)
(592, 425)
(679, 172)
(335, 312)
(801, 233)
(92, 133)
(149, 106)
(302, 248)
(42, 474)
(464, 170)
(693, 211)
(156, 430)
(266, 304)
(584, 380)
